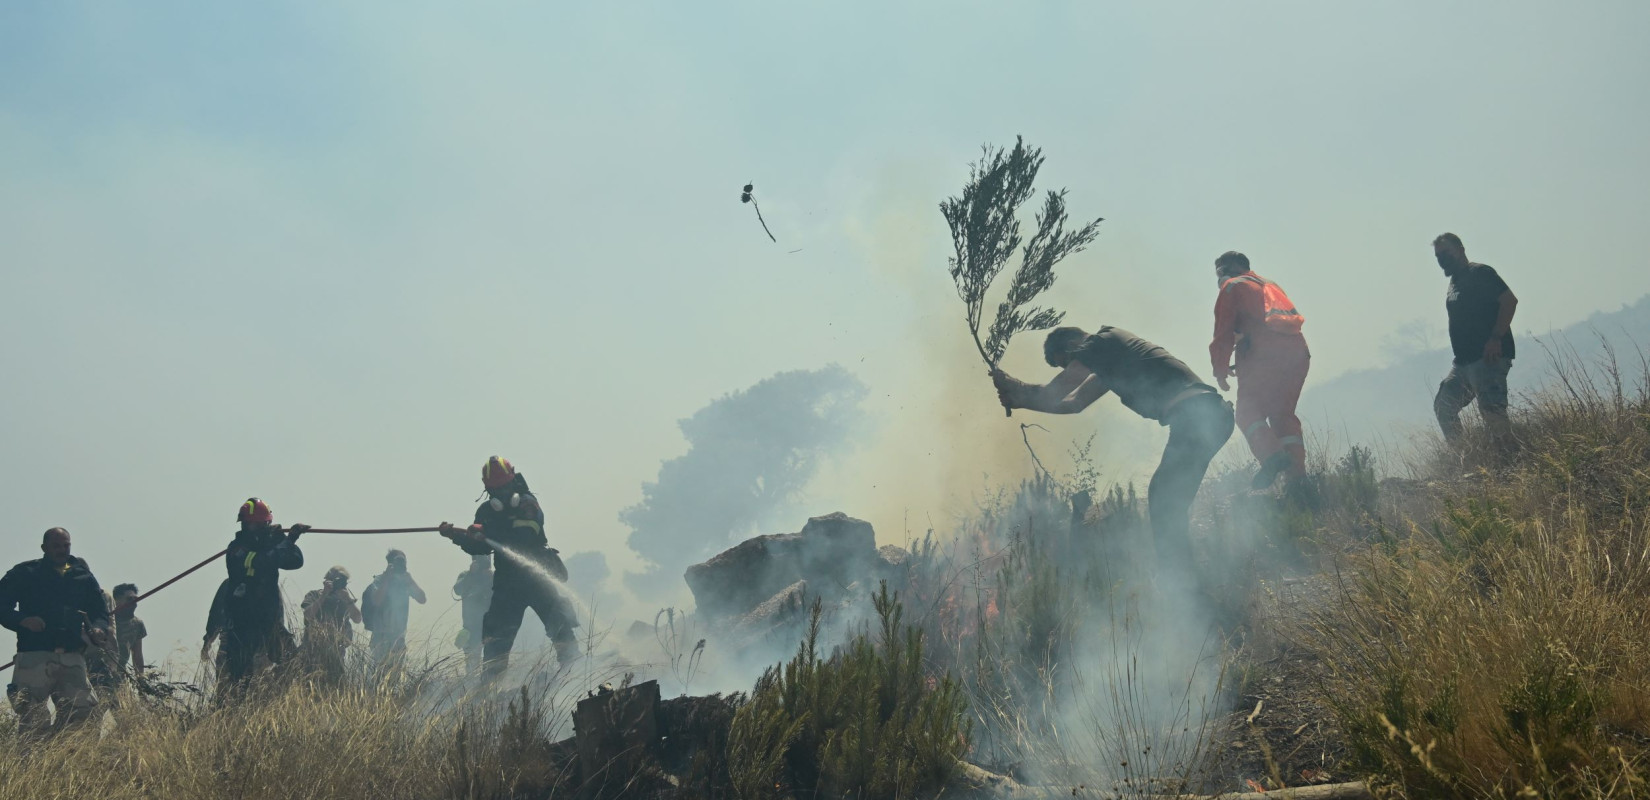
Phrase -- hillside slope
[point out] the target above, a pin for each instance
(1379, 406)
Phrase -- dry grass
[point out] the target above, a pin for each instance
(1502, 646)
(1080, 668)
(1487, 634)
(420, 735)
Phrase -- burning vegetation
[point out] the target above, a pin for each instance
(1474, 629)
(1469, 624)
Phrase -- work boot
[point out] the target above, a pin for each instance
(1269, 471)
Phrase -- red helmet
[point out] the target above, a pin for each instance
(497, 473)
(256, 512)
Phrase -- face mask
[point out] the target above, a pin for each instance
(498, 505)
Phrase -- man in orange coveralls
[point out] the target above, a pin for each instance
(1254, 317)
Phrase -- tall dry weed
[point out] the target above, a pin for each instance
(1502, 646)
(407, 735)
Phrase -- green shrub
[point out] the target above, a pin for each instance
(866, 722)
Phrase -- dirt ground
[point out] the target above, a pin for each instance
(1279, 735)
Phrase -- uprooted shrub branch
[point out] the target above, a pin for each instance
(985, 230)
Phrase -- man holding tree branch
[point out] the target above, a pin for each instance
(1153, 384)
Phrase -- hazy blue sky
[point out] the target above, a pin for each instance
(337, 254)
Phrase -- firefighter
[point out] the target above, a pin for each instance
(474, 590)
(509, 526)
(1254, 317)
(252, 616)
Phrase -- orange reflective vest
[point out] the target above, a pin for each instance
(1281, 316)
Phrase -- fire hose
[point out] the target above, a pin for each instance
(215, 556)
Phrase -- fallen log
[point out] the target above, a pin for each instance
(980, 783)
(1329, 791)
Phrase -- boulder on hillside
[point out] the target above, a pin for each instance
(831, 553)
(778, 620)
(895, 566)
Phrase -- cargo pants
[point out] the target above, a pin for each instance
(1478, 380)
(1198, 427)
(39, 676)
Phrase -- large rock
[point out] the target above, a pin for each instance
(778, 620)
(830, 553)
(894, 566)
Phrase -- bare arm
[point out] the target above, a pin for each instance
(1049, 398)
(417, 591)
(1503, 324)
(1091, 390)
(137, 655)
(1503, 320)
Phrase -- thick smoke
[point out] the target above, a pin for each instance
(587, 575)
(750, 454)
(587, 571)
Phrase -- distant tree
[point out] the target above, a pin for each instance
(749, 454)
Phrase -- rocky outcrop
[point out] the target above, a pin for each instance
(829, 554)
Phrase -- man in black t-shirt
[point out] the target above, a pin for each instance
(56, 607)
(1153, 384)
(1480, 310)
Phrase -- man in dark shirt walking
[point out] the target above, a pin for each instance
(1153, 384)
(54, 604)
(1480, 310)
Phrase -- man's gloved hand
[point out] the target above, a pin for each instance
(474, 532)
(297, 530)
(447, 529)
